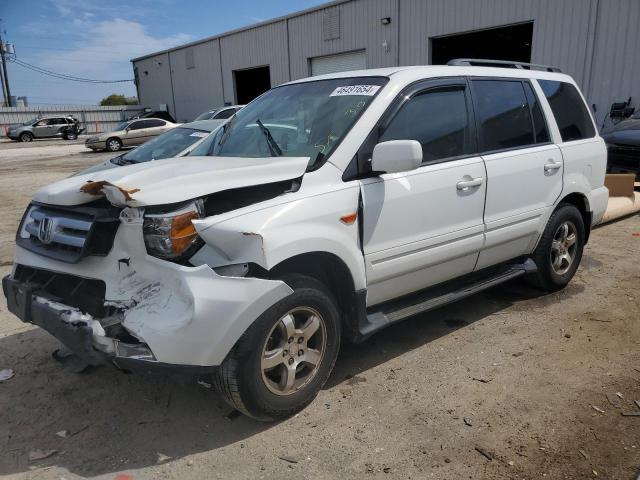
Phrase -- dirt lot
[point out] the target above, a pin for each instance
(508, 384)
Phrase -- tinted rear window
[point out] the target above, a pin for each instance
(503, 115)
(569, 110)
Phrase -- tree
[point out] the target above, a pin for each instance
(118, 99)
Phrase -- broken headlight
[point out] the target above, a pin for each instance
(171, 234)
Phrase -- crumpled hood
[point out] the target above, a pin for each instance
(171, 180)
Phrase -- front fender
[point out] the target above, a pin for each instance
(273, 234)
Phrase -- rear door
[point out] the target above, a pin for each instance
(425, 226)
(524, 169)
(58, 125)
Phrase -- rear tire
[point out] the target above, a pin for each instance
(70, 136)
(285, 357)
(559, 251)
(113, 144)
(26, 137)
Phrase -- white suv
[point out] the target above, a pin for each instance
(328, 208)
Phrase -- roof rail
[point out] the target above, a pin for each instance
(482, 62)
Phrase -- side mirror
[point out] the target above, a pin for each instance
(396, 156)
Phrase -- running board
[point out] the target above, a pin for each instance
(382, 316)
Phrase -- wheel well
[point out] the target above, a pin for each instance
(579, 201)
(332, 272)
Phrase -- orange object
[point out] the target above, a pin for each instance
(183, 231)
(349, 219)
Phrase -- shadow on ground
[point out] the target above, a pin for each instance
(118, 422)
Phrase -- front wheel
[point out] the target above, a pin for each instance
(559, 252)
(26, 137)
(282, 361)
(114, 144)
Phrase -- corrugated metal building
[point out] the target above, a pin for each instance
(595, 41)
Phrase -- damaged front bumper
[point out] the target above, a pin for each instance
(148, 312)
(79, 332)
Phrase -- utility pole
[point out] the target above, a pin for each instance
(6, 90)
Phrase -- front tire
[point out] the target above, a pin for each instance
(559, 251)
(26, 137)
(282, 361)
(113, 144)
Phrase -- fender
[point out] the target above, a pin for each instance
(270, 235)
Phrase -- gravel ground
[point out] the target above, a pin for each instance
(510, 383)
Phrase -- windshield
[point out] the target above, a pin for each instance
(307, 119)
(32, 121)
(205, 116)
(167, 145)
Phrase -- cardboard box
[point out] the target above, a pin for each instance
(620, 184)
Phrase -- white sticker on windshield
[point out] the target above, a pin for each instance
(199, 134)
(368, 90)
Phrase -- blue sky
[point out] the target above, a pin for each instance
(97, 38)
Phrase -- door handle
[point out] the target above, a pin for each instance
(548, 167)
(467, 184)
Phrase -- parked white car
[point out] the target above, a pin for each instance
(330, 207)
(129, 134)
(221, 113)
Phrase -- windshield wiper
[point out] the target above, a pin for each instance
(274, 148)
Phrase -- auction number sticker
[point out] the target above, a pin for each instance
(368, 90)
(199, 134)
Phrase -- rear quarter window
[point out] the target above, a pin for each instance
(569, 110)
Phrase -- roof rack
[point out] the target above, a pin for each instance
(482, 62)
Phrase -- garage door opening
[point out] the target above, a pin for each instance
(502, 43)
(251, 83)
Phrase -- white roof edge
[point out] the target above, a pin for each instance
(299, 13)
(426, 71)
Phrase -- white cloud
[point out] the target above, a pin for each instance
(107, 49)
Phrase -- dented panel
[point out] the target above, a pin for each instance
(171, 180)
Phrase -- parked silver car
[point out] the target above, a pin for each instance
(129, 134)
(45, 127)
(177, 142)
(221, 113)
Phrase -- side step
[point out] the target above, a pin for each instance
(386, 314)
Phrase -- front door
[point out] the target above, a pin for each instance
(42, 128)
(425, 226)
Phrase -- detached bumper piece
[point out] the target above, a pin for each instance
(80, 333)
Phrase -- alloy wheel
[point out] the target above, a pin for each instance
(293, 351)
(564, 247)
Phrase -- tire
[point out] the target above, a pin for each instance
(113, 144)
(557, 256)
(70, 136)
(248, 377)
(26, 137)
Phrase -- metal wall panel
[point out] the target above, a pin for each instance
(360, 29)
(615, 75)
(154, 82)
(199, 88)
(560, 29)
(257, 47)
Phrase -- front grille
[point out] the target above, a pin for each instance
(82, 293)
(68, 233)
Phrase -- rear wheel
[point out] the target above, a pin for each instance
(559, 252)
(114, 144)
(283, 360)
(26, 136)
(70, 136)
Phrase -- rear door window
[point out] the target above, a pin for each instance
(438, 119)
(539, 123)
(503, 115)
(154, 123)
(569, 110)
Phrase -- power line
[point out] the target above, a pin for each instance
(62, 76)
